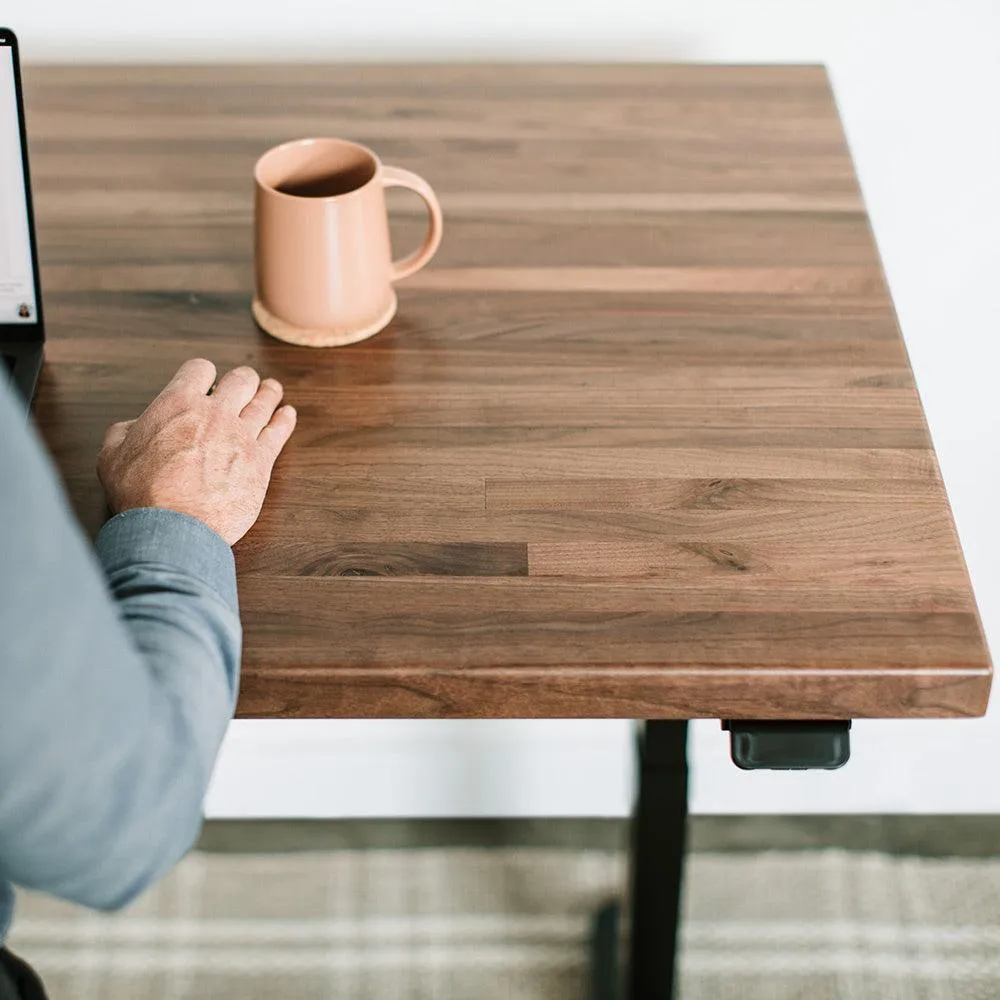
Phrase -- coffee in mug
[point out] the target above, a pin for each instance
(324, 271)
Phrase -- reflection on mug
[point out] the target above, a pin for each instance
(24, 310)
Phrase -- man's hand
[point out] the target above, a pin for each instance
(206, 456)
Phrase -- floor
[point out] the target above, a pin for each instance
(450, 911)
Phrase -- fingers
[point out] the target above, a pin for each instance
(279, 429)
(261, 408)
(115, 434)
(236, 388)
(193, 378)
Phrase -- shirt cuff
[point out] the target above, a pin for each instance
(154, 535)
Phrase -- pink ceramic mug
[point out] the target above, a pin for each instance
(324, 267)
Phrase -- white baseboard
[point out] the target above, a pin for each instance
(578, 768)
(423, 768)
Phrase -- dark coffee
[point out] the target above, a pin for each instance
(330, 184)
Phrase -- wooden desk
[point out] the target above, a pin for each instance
(642, 442)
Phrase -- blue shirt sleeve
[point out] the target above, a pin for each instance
(118, 676)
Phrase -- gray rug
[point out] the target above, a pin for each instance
(502, 924)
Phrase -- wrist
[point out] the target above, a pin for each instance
(171, 505)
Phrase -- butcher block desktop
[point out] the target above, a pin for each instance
(643, 441)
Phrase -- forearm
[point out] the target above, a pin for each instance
(111, 711)
(174, 583)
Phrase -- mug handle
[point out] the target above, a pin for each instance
(398, 177)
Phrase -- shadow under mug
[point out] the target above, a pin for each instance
(323, 263)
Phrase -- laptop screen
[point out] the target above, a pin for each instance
(17, 286)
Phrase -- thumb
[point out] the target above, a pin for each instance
(116, 434)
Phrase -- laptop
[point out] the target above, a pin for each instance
(22, 333)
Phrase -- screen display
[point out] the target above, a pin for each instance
(17, 285)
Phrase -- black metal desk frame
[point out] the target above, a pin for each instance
(659, 826)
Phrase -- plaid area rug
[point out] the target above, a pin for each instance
(489, 924)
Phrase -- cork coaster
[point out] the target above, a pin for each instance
(334, 337)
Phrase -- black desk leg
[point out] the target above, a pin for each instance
(657, 865)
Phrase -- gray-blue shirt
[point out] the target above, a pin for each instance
(119, 666)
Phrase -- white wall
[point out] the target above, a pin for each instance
(918, 84)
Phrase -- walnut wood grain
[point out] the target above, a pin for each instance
(643, 441)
